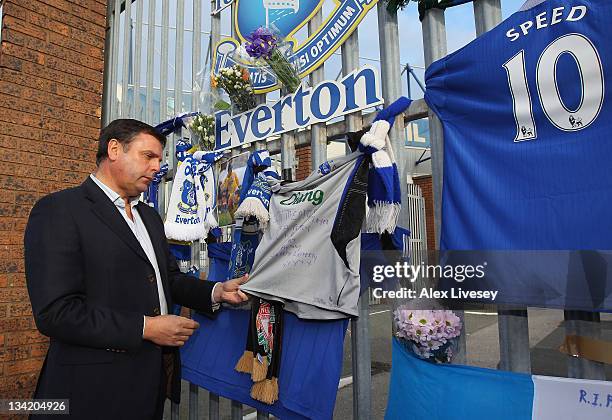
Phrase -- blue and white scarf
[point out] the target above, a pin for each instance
(255, 193)
(208, 183)
(190, 215)
(152, 193)
(384, 193)
(253, 213)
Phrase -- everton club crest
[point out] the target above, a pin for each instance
(288, 16)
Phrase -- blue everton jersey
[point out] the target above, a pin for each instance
(527, 116)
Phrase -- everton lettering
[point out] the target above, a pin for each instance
(315, 197)
(356, 91)
(187, 220)
(545, 19)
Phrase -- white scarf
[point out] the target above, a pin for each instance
(187, 219)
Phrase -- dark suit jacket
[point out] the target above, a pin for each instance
(90, 283)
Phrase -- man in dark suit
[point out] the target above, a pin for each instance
(102, 281)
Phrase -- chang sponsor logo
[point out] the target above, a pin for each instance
(315, 197)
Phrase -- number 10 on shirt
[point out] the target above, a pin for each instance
(582, 50)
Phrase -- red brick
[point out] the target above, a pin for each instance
(8, 168)
(65, 141)
(7, 196)
(14, 116)
(27, 199)
(16, 279)
(23, 53)
(30, 94)
(23, 366)
(24, 338)
(7, 224)
(17, 324)
(83, 20)
(13, 183)
(9, 354)
(8, 155)
(75, 45)
(20, 386)
(29, 80)
(304, 162)
(67, 115)
(46, 79)
(18, 104)
(7, 209)
(98, 7)
(74, 129)
(20, 224)
(425, 183)
(13, 294)
(22, 26)
(15, 11)
(74, 57)
(85, 37)
(26, 41)
(20, 131)
(19, 309)
(77, 10)
(51, 74)
(39, 349)
(75, 74)
(97, 29)
(58, 27)
(35, 6)
(79, 94)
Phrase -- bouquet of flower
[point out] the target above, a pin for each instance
(203, 126)
(263, 44)
(430, 334)
(236, 81)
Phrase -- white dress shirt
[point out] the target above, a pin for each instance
(141, 233)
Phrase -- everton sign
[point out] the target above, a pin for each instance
(330, 99)
(288, 16)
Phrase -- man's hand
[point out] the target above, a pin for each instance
(229, 291)
(169, 330)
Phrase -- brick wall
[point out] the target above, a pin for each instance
(425, 182)
(51, 69)
(304, 163)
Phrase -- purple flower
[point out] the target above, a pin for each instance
(261, 43)
(428, 331)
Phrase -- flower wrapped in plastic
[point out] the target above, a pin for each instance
(430, 334)
(203, 128)
(236, 81)
(263, 44)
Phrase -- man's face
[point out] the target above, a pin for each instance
(135, 167)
